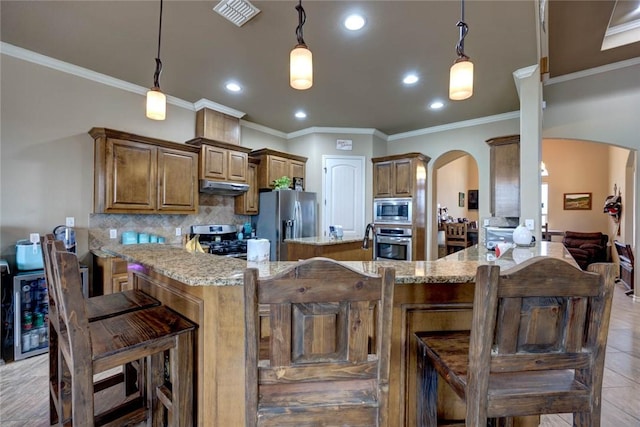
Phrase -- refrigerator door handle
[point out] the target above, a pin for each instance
(297, 215)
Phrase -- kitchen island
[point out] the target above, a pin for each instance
(207, 289)
(345, 249)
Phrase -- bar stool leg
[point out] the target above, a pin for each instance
(182, 380)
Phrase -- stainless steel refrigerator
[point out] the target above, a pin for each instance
(286, 214)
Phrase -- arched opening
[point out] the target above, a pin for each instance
(595, 168)
(456, 185)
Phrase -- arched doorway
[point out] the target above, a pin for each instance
(456, 184)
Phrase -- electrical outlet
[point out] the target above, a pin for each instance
(113, 233)
(486, 222)
(34, 238)
(529, 224)
(70, 222)
(178, 231)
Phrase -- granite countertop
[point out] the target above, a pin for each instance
(203, 269)
(323, 240)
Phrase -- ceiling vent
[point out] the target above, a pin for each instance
(237, 11)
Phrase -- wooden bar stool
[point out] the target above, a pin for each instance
(151, 336)
(98, 308)
(328, 356)
(536, 346)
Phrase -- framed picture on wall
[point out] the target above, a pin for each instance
(298, 183)
(473, 199)
(577, 201)
(461, 200)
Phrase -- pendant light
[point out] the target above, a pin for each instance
(300, 60)
(461, 74)
(156, 100)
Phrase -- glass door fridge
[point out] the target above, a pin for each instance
(31, 311)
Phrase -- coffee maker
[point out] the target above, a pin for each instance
(67, 235)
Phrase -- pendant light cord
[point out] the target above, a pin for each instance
(464, 29)
(156, 74)
(302, 18)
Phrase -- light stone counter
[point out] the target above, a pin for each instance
(202, 269)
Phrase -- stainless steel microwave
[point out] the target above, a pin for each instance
(393, 211)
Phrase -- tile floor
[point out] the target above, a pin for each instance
(24, 394)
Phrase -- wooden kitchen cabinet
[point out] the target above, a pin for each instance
(396, 176)
(110, 275)
(217, 126)
(220, 161)
(276, 164)
(137, 174)
(248, 203)
(505, 175)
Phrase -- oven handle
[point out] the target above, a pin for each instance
(388, 239)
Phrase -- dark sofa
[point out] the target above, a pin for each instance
(586, 248)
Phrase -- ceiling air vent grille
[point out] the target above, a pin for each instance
(236, 11)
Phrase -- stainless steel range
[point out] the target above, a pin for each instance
(220, 240)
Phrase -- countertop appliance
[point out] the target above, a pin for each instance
(220, 239)
(495, 235)
(286, 214)
(397, 210)
(392, 243)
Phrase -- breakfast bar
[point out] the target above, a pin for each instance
(207, 289)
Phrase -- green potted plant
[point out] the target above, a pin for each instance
(282, 183)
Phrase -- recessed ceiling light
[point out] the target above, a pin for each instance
(233, 87)
(436, 105)
(410, 79)
(354, 22)
(301, 115)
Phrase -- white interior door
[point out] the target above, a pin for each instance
(343, 194)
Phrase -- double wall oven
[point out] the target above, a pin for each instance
(393, 218)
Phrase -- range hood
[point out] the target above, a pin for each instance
(223, 188)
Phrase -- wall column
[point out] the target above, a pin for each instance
(530, 92)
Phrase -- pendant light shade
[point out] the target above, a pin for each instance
(461, 74)
(301, 73)
(461, 80)
(156, 104)
(300, 59)
(156, 100)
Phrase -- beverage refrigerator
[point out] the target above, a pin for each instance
(286, 214)
(31, 311)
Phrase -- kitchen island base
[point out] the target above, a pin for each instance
(220, 376)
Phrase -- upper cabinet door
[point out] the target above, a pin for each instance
(177, 181)
(238, 163)
(130, 176)
(403, 178)
(214, 163)
(383, 179)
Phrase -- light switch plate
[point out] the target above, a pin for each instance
(70, 222)
(178, 231)
(113, 233)
(529, 224)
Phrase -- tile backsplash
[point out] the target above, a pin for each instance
(213, 210)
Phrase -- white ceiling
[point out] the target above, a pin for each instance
(357, 76)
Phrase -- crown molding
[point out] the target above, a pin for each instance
(353, 131)
(593, 71)
(205, 103)
(263, 129)
(65, 67)
(457, 125)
